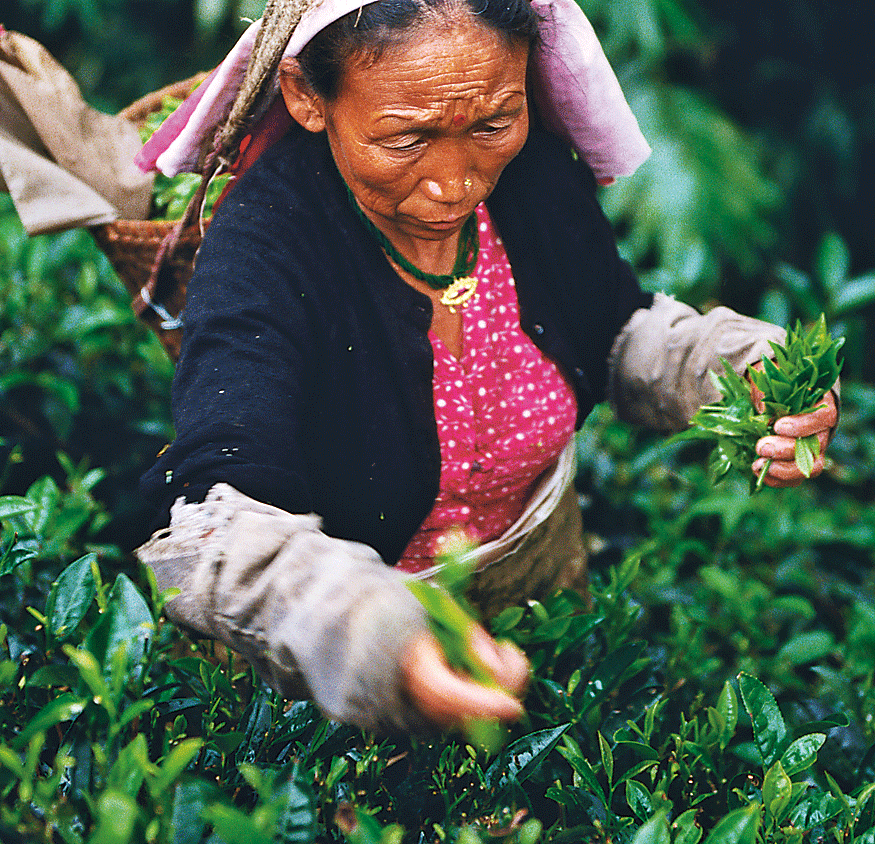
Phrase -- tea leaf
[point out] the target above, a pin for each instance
(655, 831)
(639, 799)
(688, 832)
(802, 753)
(297, 823)
(70, 598)
(769, 729)
(738, 827)
(117, 814)
(807, 647)
(61, 709)
(807, 450)
(571, 752)
(15, 505)
(727, 707)
(777, 790)
(175, 763)
(607, 758)
(519, 760)
(127, 621)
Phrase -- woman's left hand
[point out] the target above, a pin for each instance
(781, 446)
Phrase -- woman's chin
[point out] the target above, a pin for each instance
(433, 227)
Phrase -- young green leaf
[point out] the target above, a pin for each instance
(793, 381)
(777, 790)
(655, 831)
(738, 827)
(806, 451)
(71, 596)
(452, 621)
(727, 707)
(802, 753)
(769, 728)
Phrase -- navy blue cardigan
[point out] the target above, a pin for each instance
(305, 378)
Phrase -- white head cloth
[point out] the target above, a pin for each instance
(575, 89)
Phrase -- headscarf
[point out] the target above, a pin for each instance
(575, 90)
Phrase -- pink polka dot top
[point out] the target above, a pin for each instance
(504, 413)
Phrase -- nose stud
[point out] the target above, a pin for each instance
(468, 183)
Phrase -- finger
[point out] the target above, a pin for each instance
(444, 696)
(507, 664)
(784, 448)
(784, 473)
(518, 672)
(805, 424)
(773, 481)
(787, 470)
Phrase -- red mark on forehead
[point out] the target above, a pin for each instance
(458, 120)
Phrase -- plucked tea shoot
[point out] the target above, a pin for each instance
(452, 621)
(793, 382)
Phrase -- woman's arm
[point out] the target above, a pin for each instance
(659, 377)
(318, 617)
(660, 361)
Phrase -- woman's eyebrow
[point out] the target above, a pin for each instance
(409, 113)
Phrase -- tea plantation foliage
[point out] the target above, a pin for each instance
(721, 686)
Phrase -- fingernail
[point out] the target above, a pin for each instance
(766, 450)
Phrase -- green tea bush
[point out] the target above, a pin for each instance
(78, 374)
(115, 728)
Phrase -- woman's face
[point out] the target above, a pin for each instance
(422, 133)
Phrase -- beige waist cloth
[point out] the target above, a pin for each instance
(542, 551)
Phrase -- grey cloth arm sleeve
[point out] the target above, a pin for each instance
(660, 361)
(316, 616)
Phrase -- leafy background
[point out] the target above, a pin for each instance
(720, 688)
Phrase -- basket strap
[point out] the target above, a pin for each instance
(145, 299)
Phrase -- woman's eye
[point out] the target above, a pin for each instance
(493, 128)
(404, 144)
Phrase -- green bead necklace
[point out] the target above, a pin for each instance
(459, 286)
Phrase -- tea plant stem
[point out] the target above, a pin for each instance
(762, 475)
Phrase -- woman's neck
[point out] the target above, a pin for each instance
(437, 257)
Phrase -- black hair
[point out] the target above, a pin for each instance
(374, 27)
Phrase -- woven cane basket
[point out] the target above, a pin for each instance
(132, 245)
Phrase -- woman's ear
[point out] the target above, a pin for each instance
(305, 105)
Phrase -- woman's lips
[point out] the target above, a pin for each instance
(447, 223)
(441, 224)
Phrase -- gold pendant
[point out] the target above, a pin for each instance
(459, 293)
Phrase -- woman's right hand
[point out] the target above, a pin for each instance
(448, 698)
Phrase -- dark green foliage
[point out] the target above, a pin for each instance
(113, 734)
(78, 374)
(115, 730)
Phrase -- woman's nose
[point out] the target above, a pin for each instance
(449, 178)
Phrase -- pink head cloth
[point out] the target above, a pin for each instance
(575, 89)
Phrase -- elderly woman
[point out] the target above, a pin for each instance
(399, 315)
